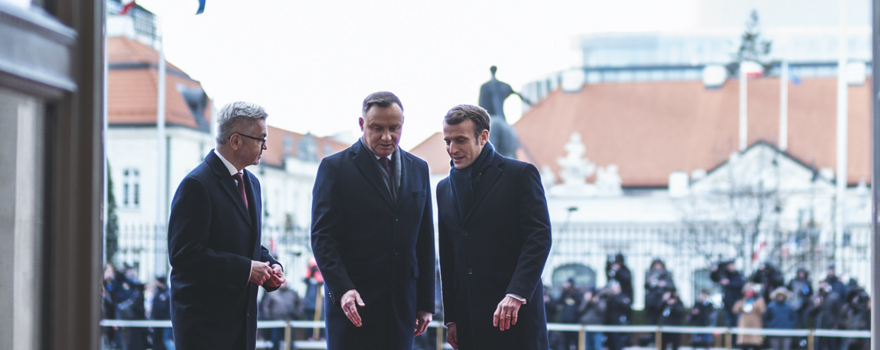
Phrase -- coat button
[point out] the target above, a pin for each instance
(396, 253)
(396, 219)
(464, 233)
(470, 272)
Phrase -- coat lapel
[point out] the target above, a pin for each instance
(366, 164)
(228, 183)
(487, 180)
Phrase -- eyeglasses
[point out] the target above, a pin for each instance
(262, 141)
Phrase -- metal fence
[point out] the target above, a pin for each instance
(687, 251)
(439, 336)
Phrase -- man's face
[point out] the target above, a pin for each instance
(731, 267)
(382, 127)
(250, 151)
(461, 145)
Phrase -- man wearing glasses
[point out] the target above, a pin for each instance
(214, 239)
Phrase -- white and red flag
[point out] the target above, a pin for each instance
(127, 5)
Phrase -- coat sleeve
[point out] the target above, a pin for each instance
(188, 233)
(327, 209)
(265, 256)
(447, 263)
(425, 252)
(534, 220)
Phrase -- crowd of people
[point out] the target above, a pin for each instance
(762, 299)
(124, 297)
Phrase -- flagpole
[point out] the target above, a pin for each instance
(783, 107)
(160, 264)
(841, 134)
(105, 208)
(743, 109)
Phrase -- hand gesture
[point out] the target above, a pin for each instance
(277, 278)
(423, 318)
(348, 301)
(506, 313)
(260, 272)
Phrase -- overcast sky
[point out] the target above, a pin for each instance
(311, 63)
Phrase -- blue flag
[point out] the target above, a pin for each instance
(201, 7)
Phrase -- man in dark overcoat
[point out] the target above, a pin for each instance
(214, 240)
(494, 241)
(373, 236)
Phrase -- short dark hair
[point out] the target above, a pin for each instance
(477, 114)
(382, 99)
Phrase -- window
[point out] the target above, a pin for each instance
(131, 188)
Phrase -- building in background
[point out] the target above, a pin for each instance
(286, 172)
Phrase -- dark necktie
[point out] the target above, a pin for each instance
(240, 181)
(387, 164)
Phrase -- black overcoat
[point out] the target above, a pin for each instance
(212, 239)
(499, 247)
(364, 240)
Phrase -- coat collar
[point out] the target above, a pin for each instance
(228, 183)
(485, 182)
(366, 164)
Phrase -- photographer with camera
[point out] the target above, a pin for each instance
(826, 308)
(658, 281)
(672, 314)
(768, 277)
(616, 270)
(618, 313)
(592, 312)
(732, 283)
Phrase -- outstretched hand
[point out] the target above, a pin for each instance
(348, 301)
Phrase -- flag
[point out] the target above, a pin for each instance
(201, 7)
(127, 5)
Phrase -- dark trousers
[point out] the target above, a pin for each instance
(732, 320)
(616, 341)
(828, 343)
(670, 338)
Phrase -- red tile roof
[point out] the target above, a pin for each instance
(650, 129)
(275, 153)
(132, 83)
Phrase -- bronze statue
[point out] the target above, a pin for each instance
(492, 96)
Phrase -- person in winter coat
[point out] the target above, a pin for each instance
(732, 283)
(826, 308)
(618, 313)
(768, 277)
(801, 293)
(161, 310)
(856, 316)
(286, 305)
(617, 271)
(834, 281)
(568, 305)
(780, 315)
(592, 311)
(658, 281)
(751, 309)
(671, 315)
(702, 315)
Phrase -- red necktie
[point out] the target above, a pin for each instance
(240, 181)
(386, 163)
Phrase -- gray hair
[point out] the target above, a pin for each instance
(235, 116)
(382, 99)
(477, 114)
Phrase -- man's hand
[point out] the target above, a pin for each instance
(260, 272)
(725, 282)
(348, 301)
(422, 320)
(452, 335)
(506, 313)
(277, 278)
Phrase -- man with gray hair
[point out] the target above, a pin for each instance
(373, 236)
(214, 239)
